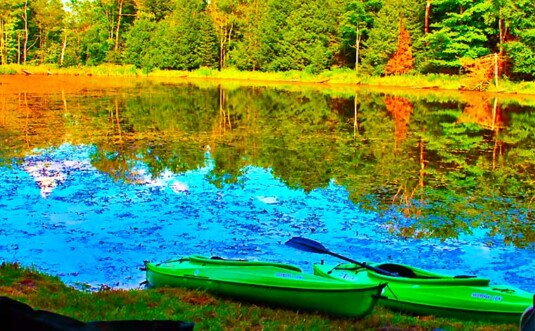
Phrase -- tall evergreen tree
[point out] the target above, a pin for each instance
(273, 47)
(461, 31)
(184, 40)
(402, 61)
(139, 42)
(299, 34)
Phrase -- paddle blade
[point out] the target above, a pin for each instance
(306, 245)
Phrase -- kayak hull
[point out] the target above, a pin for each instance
(427, 293)
(270, 283)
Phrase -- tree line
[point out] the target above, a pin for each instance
(374, 37)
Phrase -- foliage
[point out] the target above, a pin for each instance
(356, 20)
(402, 61)
(384, 35)
(521, 46)
(298, 35)
(138, 44)
(275, 35)
(181, 41)
(245, 53)
(461, 33)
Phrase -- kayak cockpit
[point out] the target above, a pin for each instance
(405, 273)
(219, 261)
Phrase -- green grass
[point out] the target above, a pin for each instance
(209, 312)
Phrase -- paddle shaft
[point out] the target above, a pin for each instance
(361, 264)
(315, 247)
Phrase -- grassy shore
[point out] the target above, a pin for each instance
(331, 77)
(208, 312)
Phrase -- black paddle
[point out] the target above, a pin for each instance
(309, 245)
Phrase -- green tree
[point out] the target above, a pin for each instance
(224, 15)
(300, 35)
(48, 16)
(460, 31)
(10, 31)
(91, 30)
(520, 44)
(356, 21)
(190, 23)
(139, 43)
(246, 51)
(184, 40)
(157, 10)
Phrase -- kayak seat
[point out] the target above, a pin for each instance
(402, 271)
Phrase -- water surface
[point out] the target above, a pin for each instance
(100, 174)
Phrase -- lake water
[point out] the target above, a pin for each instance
(99, 174)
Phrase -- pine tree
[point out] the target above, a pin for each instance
(402, 61)
(460, 32)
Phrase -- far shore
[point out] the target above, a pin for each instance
(343, 78)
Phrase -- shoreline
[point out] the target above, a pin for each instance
(336, 79)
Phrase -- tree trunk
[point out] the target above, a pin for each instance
(225, 38)
(503, 33)
(18, 48)
(42, 46)
(357, 49)
(120, 14)
(427, 13)
(63, 48)
(228, 41)
(221, 52)
(2, 43)
(25, 45)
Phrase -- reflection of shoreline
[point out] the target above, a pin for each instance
(82, 84)
(485, 112)
(329, 80)
(14, 84)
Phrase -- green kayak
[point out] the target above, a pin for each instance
(421, 292)
(271, 283)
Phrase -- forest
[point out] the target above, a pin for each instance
(372, 37)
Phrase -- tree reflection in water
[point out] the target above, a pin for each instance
(434, 178)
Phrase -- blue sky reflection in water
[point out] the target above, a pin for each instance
(64, 216)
